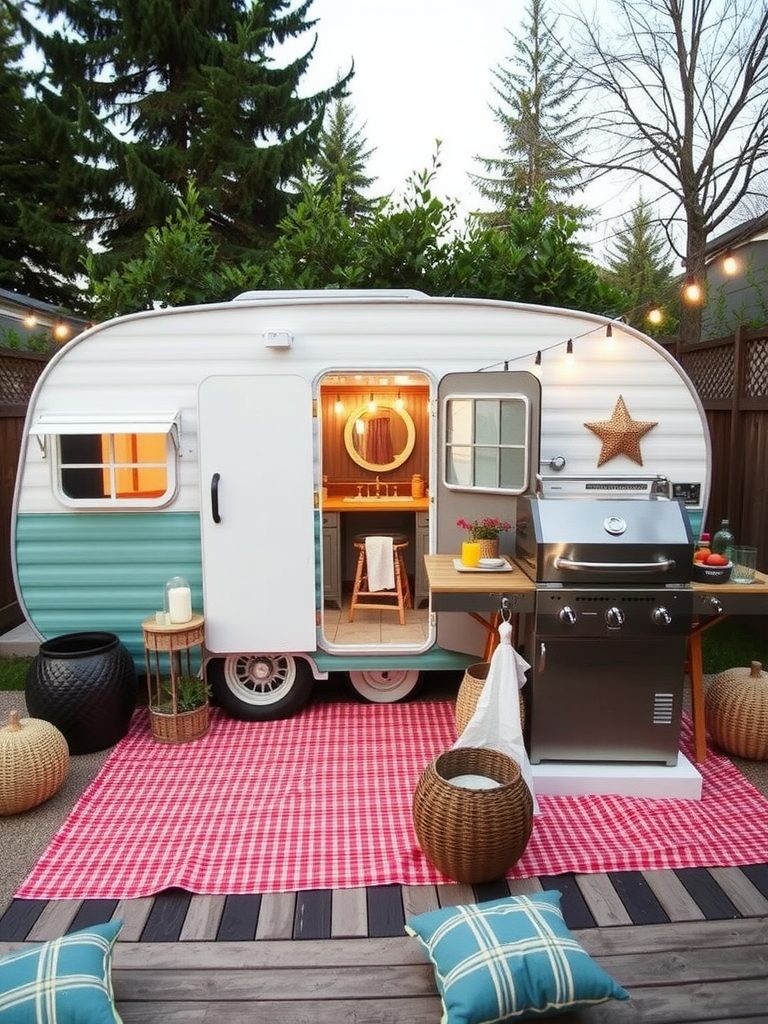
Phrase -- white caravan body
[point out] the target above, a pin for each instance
(247, 404)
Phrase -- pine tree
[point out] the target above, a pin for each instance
(172, 92)
(536, 114)
(638, 264)
(342, 159)
(40, 250)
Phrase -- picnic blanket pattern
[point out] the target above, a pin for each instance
(322, 800)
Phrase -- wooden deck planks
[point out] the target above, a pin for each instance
(691, 947)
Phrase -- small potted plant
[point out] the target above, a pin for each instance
(486, 532)
(180, 712)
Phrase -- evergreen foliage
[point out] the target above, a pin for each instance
(171, 91)
(342, 158)
(536, 114)
(40, 250)
(638, 263)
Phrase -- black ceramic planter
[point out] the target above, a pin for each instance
(85, 684)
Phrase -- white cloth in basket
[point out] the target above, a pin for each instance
(496, 722)
(379, 557)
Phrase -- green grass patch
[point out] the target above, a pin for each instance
(730, 644)
(13, 673)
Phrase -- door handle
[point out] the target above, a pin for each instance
(215, 497)
(542, 657)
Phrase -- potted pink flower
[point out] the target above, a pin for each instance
(486, 533)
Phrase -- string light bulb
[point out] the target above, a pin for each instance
(61, 330)
(339, 406)
(730, 264)
(371, 404)
(655, 316)
(537, 360)
(609, 330)
(569, 357)
(692, 290)
(399, 403)
(30, 320)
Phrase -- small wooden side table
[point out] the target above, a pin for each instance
(175, 643)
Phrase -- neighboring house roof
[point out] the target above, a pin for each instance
(753, 230)
(16, 308)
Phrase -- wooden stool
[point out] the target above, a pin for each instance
(401, 595)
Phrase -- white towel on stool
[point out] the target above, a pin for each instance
(381, 564)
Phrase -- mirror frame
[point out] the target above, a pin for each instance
(400, 458)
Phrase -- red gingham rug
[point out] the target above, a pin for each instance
(323, 801)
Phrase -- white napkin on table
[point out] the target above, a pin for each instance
(381, 564)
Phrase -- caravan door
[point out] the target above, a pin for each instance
(257, 513)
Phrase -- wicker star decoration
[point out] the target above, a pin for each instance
(620, 434)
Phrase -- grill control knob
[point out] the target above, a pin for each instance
(661, 616)
(614, 616)
(568, 615)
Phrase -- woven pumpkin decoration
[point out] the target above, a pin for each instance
(34, 761)
(736, 711)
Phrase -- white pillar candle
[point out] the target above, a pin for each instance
(180, 604)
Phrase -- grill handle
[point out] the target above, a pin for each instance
(636, 567)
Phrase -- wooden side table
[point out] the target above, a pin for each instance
(173, 643)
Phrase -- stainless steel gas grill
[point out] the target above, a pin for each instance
(607, 641)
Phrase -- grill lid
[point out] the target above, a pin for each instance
(611, 540)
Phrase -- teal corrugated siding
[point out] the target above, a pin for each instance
(81, 572)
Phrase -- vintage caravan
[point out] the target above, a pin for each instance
(248, 446)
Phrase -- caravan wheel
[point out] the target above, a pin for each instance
(385, 687)
(260, 687)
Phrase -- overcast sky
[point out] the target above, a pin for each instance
(424, 71)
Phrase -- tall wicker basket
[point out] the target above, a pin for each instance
(469, 693)
(472, 835)
(736, 711)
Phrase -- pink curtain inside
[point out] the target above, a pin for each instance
(378, 447)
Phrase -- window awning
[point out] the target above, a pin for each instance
(104, 423)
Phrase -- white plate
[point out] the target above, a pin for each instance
(492, 563)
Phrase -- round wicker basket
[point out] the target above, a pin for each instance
(736, 711)
(34, 761)
(472, 835)
(469, 693)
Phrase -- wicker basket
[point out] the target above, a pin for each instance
(736, 711)
(34, 761)
(469, 693)
(489, 548)
(472, 835)
(182, 727)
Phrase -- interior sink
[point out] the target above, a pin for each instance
(372, 499)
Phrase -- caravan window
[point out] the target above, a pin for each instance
(133, 468)
(101, 460)
(486, 443)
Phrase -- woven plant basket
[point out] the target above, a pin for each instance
(472, 835)
(736, 711)
(469, 693)
(34, 761)
(489, 548)
(181, 727)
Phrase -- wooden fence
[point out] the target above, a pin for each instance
(731, 378)
(729, 374)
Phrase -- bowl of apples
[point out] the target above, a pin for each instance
(711, 568)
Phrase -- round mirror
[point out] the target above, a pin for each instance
(379, 439)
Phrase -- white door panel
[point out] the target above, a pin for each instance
(259, 558)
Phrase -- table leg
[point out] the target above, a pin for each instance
(696, 674)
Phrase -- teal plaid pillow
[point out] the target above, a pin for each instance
(508, 959)
(65, 981)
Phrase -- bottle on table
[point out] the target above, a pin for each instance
(702, 548)
(723, 541)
